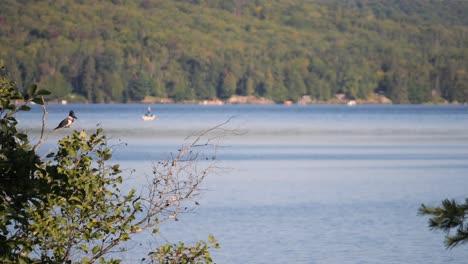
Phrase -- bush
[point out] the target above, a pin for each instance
(68, 207)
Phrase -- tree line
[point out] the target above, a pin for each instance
(123, 51)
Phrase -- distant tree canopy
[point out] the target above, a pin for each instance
(101, 51)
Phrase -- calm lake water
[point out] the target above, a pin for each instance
(305, 184)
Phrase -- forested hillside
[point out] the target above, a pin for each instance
(123, 50)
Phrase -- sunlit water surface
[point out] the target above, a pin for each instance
(302, 184)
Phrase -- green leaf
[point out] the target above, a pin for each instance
(22, 136)
(96, 249)
(32, 90)
(24, 108)
(83, 247)
(107, 156)
(43, 92)
(16, 96)
(212, 239)
(76, 199)
(11, 107)
(38, 101)
(125, 237)
(166, 248)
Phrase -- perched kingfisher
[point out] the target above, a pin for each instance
(67, 122)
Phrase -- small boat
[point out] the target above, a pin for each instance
(148, 116)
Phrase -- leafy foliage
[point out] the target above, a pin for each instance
(68, 206)
(19, 184)
(410, 51)
(451, 215)
(172, 253)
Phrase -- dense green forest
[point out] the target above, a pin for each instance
(123, 50)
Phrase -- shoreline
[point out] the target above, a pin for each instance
(252, 100)
(285, 104)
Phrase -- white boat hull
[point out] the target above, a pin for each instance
(148, 117)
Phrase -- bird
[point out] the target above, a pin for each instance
(67, 122)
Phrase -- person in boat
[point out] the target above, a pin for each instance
(148, 115)
(148, 111)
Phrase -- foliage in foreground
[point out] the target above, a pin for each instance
(67, 207)
(179, 253)
(449, 216)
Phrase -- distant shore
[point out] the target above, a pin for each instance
(253, 100)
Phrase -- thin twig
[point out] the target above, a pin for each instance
(41, 139)
(175, 181)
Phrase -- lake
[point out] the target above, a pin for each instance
(303, 184)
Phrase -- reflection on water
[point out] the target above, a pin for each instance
(305, 184)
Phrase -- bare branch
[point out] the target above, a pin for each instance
(178, 179)
(204, 132)
(173, 183)
(44, 114)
